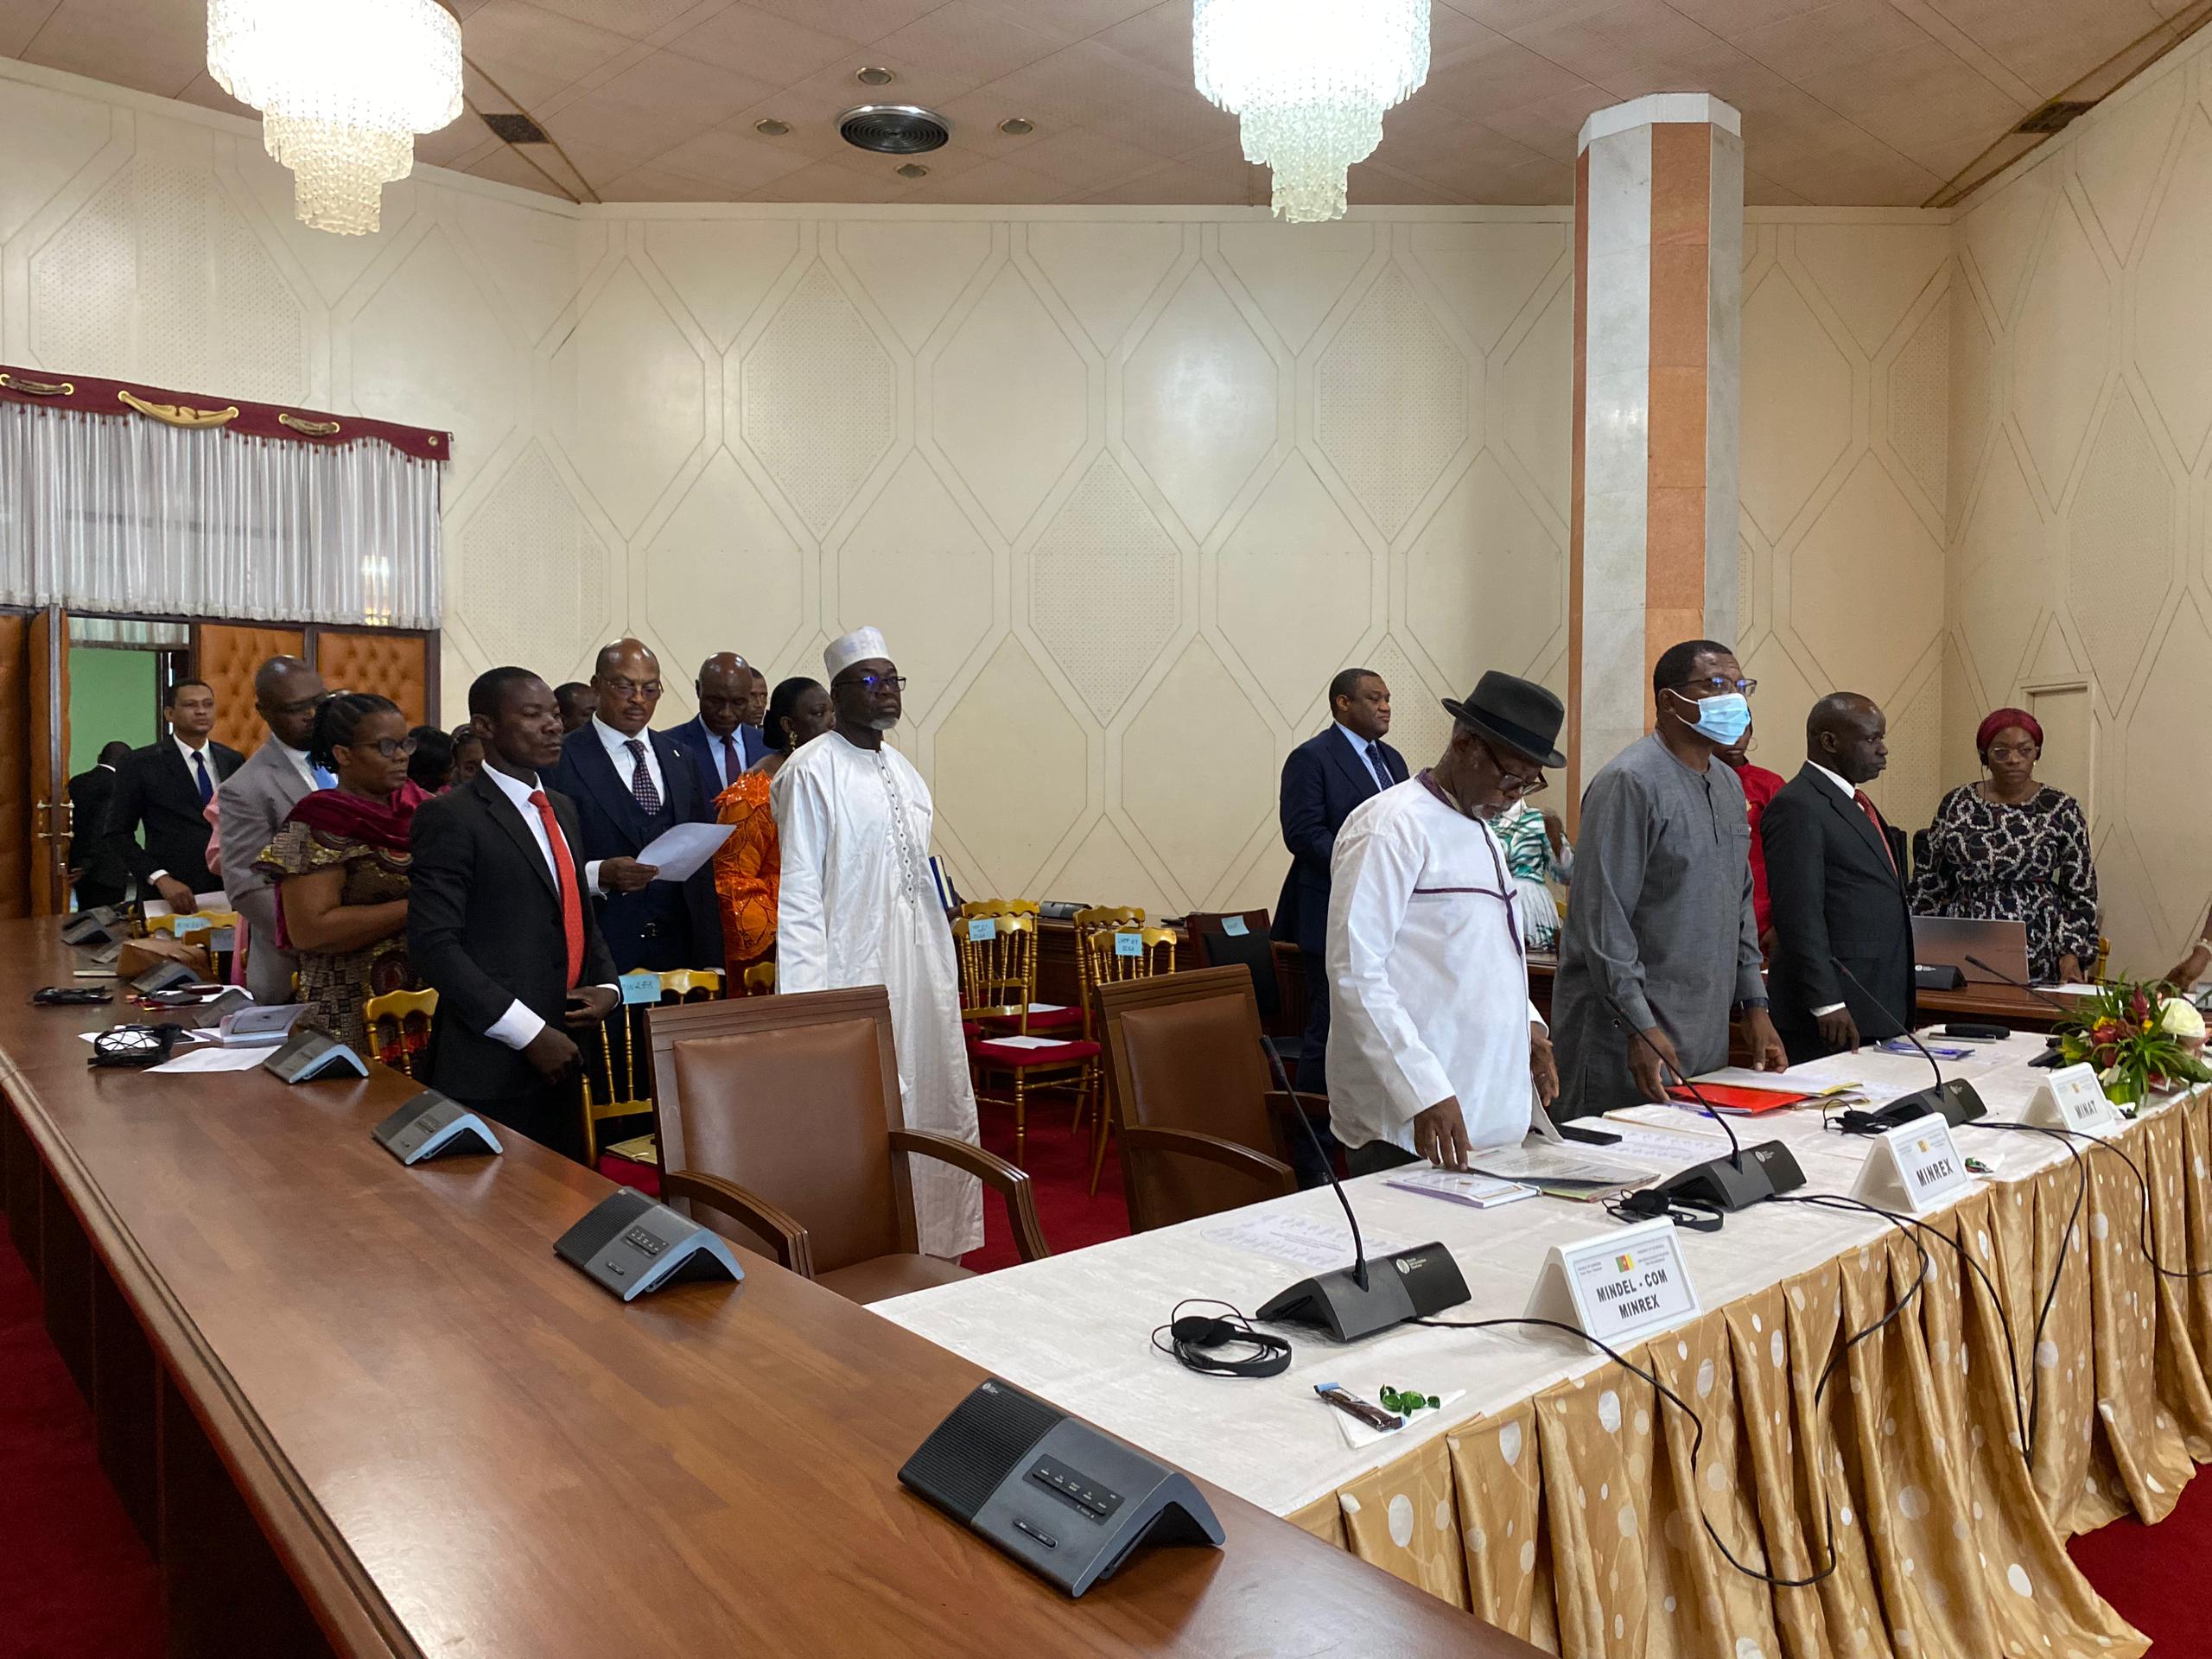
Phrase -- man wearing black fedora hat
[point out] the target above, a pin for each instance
(1438, 1050)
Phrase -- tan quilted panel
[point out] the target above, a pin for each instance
(391, 664)
(16, 728)
(225, 656)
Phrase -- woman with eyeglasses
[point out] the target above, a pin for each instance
(341, 863)
(2012, 848)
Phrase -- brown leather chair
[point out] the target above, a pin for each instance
(782, 1115)
(1190, 1096)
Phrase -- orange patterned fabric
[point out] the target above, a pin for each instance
(747, 870)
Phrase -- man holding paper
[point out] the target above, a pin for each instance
(631, 786)
(1438, 1049)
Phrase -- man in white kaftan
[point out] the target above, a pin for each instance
(1436, 1049)
(858, 907)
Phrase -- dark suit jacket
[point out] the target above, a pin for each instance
(1837, 898)
(695, 740)
(155, 788)
(484, 930)
(1322, 781)
(94, 849)
(615, 826)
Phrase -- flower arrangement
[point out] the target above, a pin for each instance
(2142, 1040)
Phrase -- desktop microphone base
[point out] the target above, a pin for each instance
(1955, 1103)
(1413, 1284)
(1733, 1183)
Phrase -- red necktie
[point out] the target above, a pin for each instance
(572, 902)
(1875, 818)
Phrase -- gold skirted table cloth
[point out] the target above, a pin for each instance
(1561, 1498)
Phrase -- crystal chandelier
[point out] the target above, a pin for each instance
(343, 86)
(1309, 81)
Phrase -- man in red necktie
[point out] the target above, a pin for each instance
(1841, 968)
(497, 924)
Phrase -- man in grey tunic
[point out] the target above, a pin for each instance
(1661, 921)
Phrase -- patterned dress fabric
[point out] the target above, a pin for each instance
(2030, 862)
(748, 869)
(334, 984)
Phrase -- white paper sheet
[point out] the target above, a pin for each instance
(1316, 1244)
(1025, 1042)
(2068, 990)
(682, 850)
(206, 901)
(1358, 1434)
(214, 1059)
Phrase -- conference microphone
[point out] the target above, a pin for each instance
(1352, 1302)
(1954, 1100)
(1735, 1182)
(2021, 985)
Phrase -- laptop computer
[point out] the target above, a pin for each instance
(1945, 941)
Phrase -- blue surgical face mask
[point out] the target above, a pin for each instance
(1724, 719)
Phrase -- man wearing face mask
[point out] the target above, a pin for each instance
(1438, 1046)
(858, 907)
(1661, 939)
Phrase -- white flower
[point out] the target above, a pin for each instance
(2177, 1017)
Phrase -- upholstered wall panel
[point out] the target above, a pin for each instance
(225, 656)
(391, 665)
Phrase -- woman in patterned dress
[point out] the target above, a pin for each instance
(747, 867)
(1537, 852)
(2009, 848)
(341, 861)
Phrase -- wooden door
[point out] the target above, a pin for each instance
(47, 665)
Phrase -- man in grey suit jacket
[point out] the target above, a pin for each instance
(254, 801)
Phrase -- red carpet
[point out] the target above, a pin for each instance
(2155, 1575)
(75, 1582)
(1059, 1179)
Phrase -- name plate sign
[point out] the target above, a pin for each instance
(1618, 1286)
(2072, 1098)
(1914, 1167)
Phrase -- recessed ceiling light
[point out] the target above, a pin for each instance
(771, 128)
(874, 76)
(914, 170)
(1017, 126)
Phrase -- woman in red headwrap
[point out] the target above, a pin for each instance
(2010, 849)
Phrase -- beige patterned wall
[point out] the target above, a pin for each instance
(1125, 486)
(2081, 354)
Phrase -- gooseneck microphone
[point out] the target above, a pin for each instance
(1735, 1182)
(2020, 985)
(1352, 1302)
(1954, 1100)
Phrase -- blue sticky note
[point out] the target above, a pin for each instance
(1234, 926)
(641, 987)
(1129, 944)
(983, 927)
(191, 925)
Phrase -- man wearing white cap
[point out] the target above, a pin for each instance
(858, 907)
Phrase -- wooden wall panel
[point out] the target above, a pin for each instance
(225, 655)
(396, 665)
(17, 729)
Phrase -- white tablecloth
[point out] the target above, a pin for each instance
(1076, 1329)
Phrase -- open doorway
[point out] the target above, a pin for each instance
(119, 670)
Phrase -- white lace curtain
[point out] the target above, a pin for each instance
(106, 514)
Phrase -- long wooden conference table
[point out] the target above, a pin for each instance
(361, 1409)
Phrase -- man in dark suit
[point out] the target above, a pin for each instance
(167, 787)
(98, 866)
(629, 786)
(499, 926)
(1324, 778)
(1839, 903)
(721, 745)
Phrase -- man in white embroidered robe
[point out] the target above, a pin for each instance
(858, 907)
(1435, 1046)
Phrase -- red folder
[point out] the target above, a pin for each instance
(1749, 1102)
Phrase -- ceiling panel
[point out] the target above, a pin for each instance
(1878, 102)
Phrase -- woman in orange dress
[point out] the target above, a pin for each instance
(749, 868)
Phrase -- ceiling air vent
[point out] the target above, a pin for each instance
(893, 128)
(516, 127)
(2055, 116)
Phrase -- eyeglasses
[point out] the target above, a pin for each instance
(1514, 784)
(632, 688)
(391, 747)
(1721, 687)
(872, 682)
(2006, 752)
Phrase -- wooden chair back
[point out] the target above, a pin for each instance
(793, 1098)
(1190, 1087)
(1086, 923)
(399, 1026)
(998, 966)
(691, 984)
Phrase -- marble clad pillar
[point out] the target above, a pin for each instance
(1658, 290)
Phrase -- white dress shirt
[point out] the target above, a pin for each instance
(1851, 794)
(300, 764)
(187, 752)
(626, 768)
(519, 1026)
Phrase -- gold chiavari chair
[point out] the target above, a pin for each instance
(1116, 954)
(760, 979)
(407, 1016)
(998, 983)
